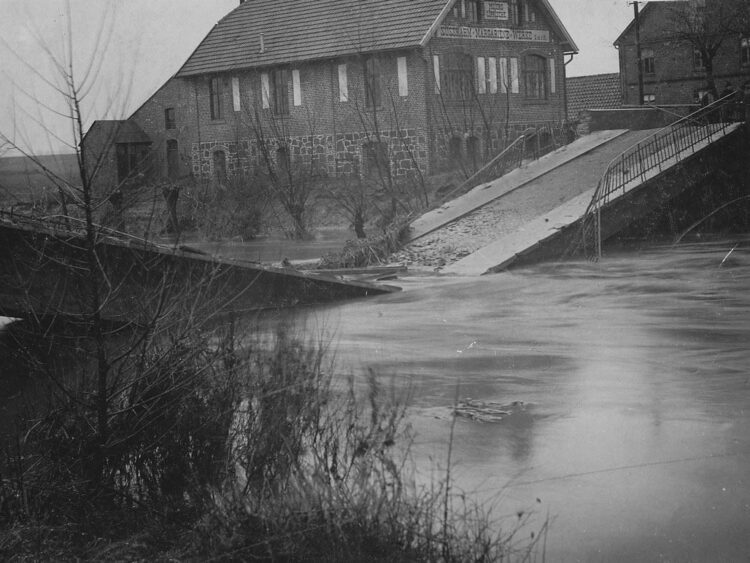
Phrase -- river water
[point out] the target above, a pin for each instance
(635, 373)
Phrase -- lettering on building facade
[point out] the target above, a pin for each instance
(496, 11)
(492, 33)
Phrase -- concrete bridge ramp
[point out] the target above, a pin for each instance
(506, 207)
(556, 232)
(44, 272)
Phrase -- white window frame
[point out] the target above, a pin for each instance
(296, 88)
(552, 76)
(436, 72)
(492, 76)
(481, 76)
(265, 91)
(343, 84)
(236, 103)
(504, 83)
(514, 81)
(403, 77)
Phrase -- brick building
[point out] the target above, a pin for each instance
(678, 40)
(349, 85)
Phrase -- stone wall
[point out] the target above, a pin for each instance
(407, 152)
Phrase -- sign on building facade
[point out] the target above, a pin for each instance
(492, 33)
(496, 11)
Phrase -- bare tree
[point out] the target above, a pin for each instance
(703, 25)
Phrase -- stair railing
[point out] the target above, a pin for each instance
(656, 152)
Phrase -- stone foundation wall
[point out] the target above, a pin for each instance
(406, 150)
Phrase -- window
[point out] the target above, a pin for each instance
(436, 72)
(296, 88)
(475, 10)
(698, 62)
(403, 77)
(132, 159)
(481, 76)
(745, 51)
(173, 160)
(279, 91)
(492, 75)
(649, 98)
(343, 84)
(455, 153)
(214, 94)
(514, 15)
(647, 56)
(375, 159)
(535, 77)
(372, 83)
(236, 102)
(169, 120)
(458, 79)
(528, 11)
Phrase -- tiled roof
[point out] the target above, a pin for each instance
(596, 91)
(118, 131)
(296, 30)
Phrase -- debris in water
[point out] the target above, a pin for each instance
(487, 411)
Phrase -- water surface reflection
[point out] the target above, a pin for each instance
(636, 372)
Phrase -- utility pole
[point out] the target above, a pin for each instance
(639, 60)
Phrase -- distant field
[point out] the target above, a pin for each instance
(21, 180)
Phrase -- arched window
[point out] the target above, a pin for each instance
(535, 77)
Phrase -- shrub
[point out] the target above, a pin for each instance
(236, 450)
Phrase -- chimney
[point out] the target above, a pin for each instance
(262, 44)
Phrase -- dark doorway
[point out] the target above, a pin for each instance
(220, 167)
(173, 160)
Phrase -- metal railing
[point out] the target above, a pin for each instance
(651, 156)
(526, 146)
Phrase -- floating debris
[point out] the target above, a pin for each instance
(482, 411)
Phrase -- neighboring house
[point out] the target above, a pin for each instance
(350, 85)
(595, 91)
(677, 40)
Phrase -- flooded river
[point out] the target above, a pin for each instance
(635, 373)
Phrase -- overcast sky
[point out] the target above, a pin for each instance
(143, 42)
